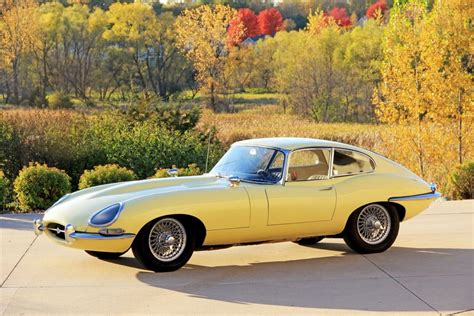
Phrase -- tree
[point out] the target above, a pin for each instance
(18, 30)
(377, 9)
(201, 33)
(148, 43)
(340, 16)
(403, 96)
(318, 20)
(245, 24)
(270, 21)
(449, 74)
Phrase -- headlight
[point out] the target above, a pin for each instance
(106, 216)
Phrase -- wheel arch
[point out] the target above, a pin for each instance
(195, 223)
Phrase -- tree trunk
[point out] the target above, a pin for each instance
(16, 93)
(460, 138)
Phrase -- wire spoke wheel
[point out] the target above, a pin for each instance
(167, 239)
(374, 224)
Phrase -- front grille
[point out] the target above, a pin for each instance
(56, 230)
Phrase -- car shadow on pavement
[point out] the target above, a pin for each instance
(344, 281)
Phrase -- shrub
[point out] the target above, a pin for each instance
(38, 186)
(191, 170)
(461, 182)
(59, 100)
(105, 174)
(171, 115)
(145, 146)
(4, 190)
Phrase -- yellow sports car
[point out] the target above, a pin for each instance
(269, 189)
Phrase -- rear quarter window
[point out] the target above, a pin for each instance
(348, 162)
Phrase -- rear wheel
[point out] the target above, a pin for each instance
(309, 241)
(372, 228)
(164, 245)
(105, 255)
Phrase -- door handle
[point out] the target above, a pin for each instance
(329, 188)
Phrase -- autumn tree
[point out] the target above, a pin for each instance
(245, 24)
(403, 96)
(377, 9)
(340, 16)
(319, 20)
(18, 33)
(270, 21)
(201, 33)
(449, 75)
(148, 43)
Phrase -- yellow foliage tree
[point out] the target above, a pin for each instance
(427, 85)
(201, 33)
(17, 36)
(403, 95)
(317, 21)
(449, 60)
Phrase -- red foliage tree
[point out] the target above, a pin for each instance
(270, 21)
(248, 19)
(379, 6)
(340, 16)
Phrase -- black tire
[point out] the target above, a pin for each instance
(356, 242)
(142, 250)
(105, 255)
(309, 241)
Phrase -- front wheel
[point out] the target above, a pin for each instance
(164, 245)
(372, 228)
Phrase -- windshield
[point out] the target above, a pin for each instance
(256, 164)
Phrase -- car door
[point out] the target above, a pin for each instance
(308, 194)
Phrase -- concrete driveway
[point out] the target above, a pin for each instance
(429, 270)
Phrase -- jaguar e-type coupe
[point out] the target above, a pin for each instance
(261, 190)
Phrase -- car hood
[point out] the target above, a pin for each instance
(78, 207)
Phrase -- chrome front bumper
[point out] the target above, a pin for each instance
(70, 234)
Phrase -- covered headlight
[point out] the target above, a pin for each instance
(106, 216)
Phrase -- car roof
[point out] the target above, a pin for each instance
(292, 143)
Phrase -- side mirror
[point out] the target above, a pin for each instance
(173, 172)
(234, 181)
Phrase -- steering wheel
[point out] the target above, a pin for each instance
(262, 173)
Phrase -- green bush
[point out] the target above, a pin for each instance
(461, 182)
(38, 186)
(170, 115)
(146, 146)
(4, 190)
(191, 170)
(105, 174)
(59, 100)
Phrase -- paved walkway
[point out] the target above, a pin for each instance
(429, 270)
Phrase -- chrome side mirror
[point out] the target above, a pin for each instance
(234, 181)
(173, 172)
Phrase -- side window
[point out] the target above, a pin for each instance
(309, 164)
(347, 162)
